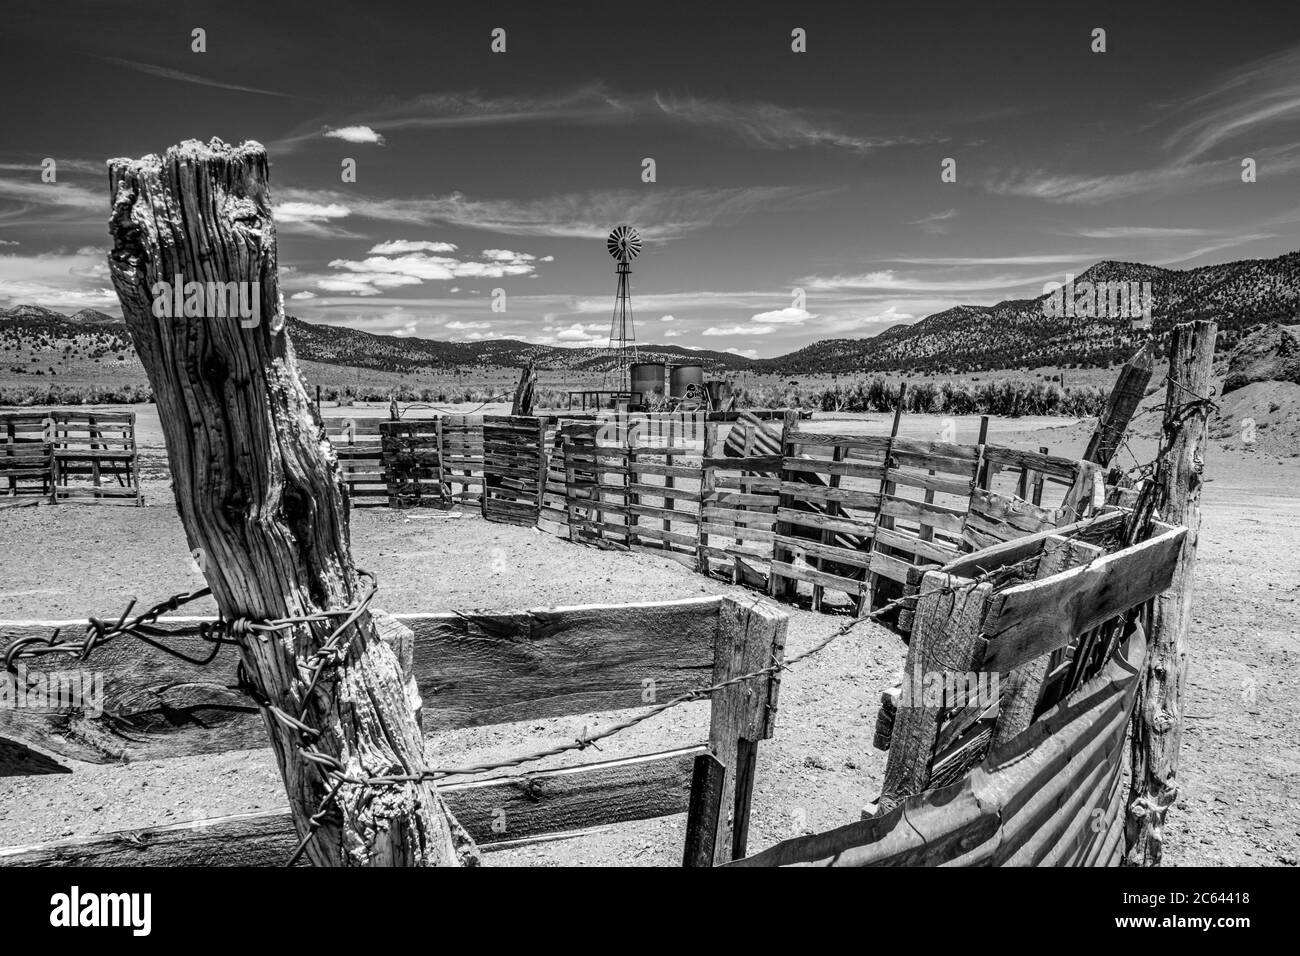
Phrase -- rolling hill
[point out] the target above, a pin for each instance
(1012, 334)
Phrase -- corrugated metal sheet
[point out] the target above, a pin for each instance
(1050, 797)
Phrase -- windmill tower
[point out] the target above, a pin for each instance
(624, 244)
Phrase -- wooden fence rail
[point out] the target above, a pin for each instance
(472, 669)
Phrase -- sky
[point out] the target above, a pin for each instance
(776, 172)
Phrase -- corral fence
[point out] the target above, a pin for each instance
(472, 669)
(1006, 733)
(833, 519)
(59, 455)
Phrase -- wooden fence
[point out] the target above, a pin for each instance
(472, 669)
(1006, 734)
(65, 455)
(776, 506)
(359, 447)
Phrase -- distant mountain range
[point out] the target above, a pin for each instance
(1012, 334)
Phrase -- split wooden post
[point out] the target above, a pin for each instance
(708, 483)
(1176, 487)
(261, 497)
(779, 587)
(950, 613)
(867, 599)
(749, 634)
(708, 778)
(1129, 389)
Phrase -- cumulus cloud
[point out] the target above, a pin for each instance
(417, 263)
(355, 134)
(786, 316)
(407, 245)
(467, 326)
(738, 330)
(309, 211)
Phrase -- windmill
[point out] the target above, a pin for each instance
(624, 244)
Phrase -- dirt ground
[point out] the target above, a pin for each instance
(1240, 763)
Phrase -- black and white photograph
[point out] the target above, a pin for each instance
(666, 435)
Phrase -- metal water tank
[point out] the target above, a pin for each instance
(684, 375)
(648, 380)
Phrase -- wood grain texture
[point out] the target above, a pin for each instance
(561, 661)
(751, 637)
(1029, 620)
(1175, 493)
(945, 638)
(259, 494)
(1024, 685)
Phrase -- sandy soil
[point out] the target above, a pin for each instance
(1241, 762)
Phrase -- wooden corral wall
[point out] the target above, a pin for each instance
(785, 507)
(1006, 734)
(472, 670)
(63, 455)
(777, 507)
(358, 445)
(1051, 796)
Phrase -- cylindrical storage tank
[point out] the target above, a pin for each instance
(684, 375)
(648, 380)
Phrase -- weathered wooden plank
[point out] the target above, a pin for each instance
(1024, 686)
(888, 566)
(1032, 619)
(847, 468)
(937, 516)
(945, 636)
(708, 782)
(1006, 457)
(751, 636)
(497, 810)
(873, 443)
(811, 519)
(845, 497)
(1102, 529)
(576, 660)
(814, 576)
(816, 549)
(931, 550)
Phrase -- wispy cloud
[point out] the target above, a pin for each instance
(183, 77)
(1261, 98)
(938, 224)
(758, 124)
(661, 214)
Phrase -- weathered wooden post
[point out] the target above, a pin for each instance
(1175, 495)
(523, 401)
(259, 493)
(1130, 387)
